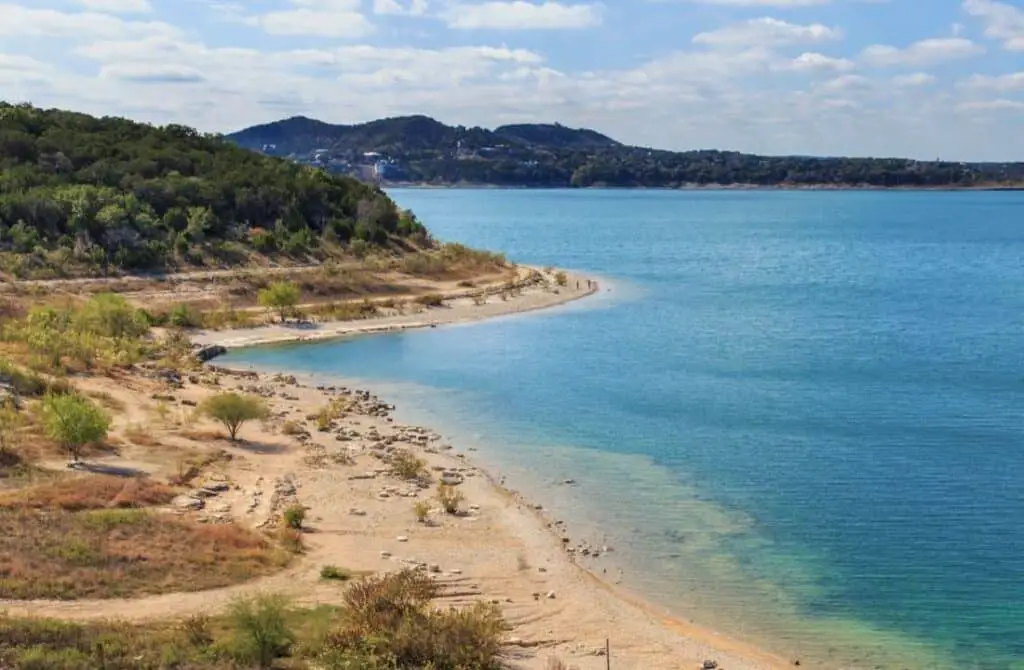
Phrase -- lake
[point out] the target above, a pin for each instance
(796, 416)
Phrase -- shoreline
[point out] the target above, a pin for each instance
(651, 625)
(458, 310)
(712, 187)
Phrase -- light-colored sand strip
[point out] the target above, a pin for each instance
(459, 310)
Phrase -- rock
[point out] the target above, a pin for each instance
(568, 482)
(357, 512)
(455, 571)
(185, 502)
(709, 665)
(385, 554)
(402, 538)
(550, 595)
(209, 353)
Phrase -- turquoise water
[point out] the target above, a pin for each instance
(798, 416)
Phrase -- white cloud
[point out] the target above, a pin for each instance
(1000, 105)
(811, 62)
(152, 73)
(316, 18)
(925, 52)
(20, 21)
(915, 79)
(766, 32)
(1005, 82)
(521, 15)
(396, 8)
(763, 3)
(117, 6)
(1003, 22)
(846, 82)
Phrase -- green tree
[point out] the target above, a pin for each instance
(281, 296)
(73, 421)
(233, 409)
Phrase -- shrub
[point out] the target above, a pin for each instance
(73, 421)
(197, 630)
(450, 498)
(291, 540)
(260, 631)
(184, 316)
(405, 465)
(389, 620)
(233, 409)
(291, 428)
(334, 572)
(422, 511)
(561, 279)
(293, 516)
(431, 300)
(282, 296)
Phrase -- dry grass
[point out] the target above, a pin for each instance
(52, 553)
(140, 436)
(90, 492)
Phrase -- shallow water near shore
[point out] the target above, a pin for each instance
(796, 416)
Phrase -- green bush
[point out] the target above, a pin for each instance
(73, 421)
(282, 296)
(294, 516)
(260, 631)
(184, 316)
(405, 465)
(334, 572)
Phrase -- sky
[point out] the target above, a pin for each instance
(923, 79)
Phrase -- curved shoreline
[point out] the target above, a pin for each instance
(459, 309)
(626, 606)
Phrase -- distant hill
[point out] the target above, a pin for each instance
(79, 194)
(420, 149)
(407, 134)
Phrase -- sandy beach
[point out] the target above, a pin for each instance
(502, 549)
(529, 296)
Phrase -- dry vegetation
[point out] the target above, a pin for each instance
(90, 537)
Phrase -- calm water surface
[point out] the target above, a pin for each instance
(799, 417)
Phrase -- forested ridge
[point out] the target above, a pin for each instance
(80, 194)
(421, 149)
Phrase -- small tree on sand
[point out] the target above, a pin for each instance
(281, 296)
(73, 421)
(233, 409)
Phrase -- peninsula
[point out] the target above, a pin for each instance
(161, 512)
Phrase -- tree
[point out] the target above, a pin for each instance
(234, 409)
(281, 295)
(73, 421)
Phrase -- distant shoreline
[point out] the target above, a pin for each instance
(702, 187)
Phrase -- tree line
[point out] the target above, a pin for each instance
(108, 193)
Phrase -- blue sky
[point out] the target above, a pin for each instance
(918, 78)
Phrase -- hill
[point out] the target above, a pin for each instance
(80, 194)
(423, 150)
(406, 135)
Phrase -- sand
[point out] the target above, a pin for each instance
(458, 310)
(361, 517)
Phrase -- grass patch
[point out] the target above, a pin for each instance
(119, 553)
(90, 492)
